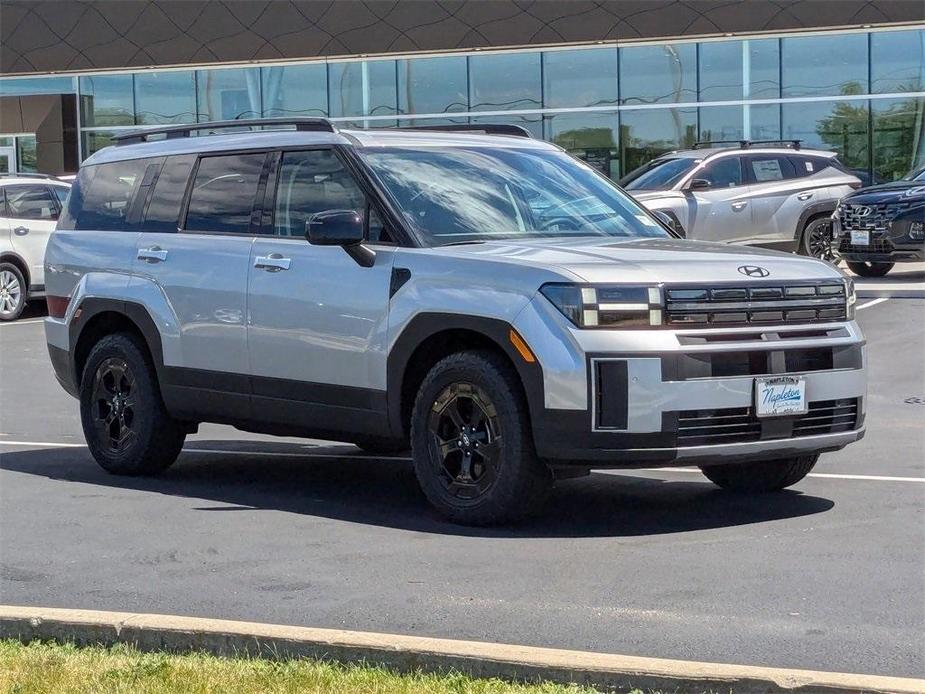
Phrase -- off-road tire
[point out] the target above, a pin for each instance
(864, 269)
(157, 437)
(16, 311)
(762, 476)
(521, 483)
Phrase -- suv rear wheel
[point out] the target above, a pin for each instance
(127, 427)
(13, 292)
(761, 476)
(472, 446)
(865, 269)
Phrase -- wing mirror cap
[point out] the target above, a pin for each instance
(334, 228)
(699, 184)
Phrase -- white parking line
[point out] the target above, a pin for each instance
(280, 454)
(872, 303)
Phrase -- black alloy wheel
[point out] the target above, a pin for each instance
(465, 441)
(819, 242)
(114, 402)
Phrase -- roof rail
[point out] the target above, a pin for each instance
(746, 144)
(484, 128)
(28, 175)
(174, 131)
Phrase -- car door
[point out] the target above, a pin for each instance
(779, 196)
(197, 255)
(32, 211)
(718, 201)
(317, 320)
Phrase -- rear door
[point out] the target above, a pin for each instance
(720, 212)
(317, 321)
(195, 246)
(780, 195)
(32, 214)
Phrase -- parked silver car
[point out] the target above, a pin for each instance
(779, 197)
(486, 299)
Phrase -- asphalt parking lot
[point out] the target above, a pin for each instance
(828, 576)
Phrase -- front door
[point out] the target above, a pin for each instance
(721, 212)
(317, 321)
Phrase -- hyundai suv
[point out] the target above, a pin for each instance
(877, 227)
(779, 197)
(477, 295)
(29, 207)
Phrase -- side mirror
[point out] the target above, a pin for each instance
(340, 228)
(664, 218)
(699, 184)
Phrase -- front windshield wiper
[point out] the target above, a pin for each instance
(460, 243)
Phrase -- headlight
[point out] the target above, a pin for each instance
(607, 306)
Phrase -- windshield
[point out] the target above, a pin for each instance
(658, 174)
(464, 195)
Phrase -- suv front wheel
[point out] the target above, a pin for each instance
(472, 445)
(865, 269)
(127, 427)
(762, 476)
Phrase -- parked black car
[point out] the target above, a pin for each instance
(877, 227)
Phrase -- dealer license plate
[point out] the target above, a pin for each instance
(860, 238)
(780, 395)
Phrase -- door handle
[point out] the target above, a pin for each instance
(20, 231)
(804, 196)
(272, 263)
(738, 206)
(154, 254)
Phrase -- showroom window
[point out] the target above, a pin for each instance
(897, 61)
(839, 126)
(107, 100)
(580, 78)
(751, 121)
(898, 135)
(647, 133)
(733, 70)
(165, 97)
(228, 94)
(433, 85)
(824, 65)
(505, 82)
(658, 74)
(591, 137)
(364, 88)
(295, 90)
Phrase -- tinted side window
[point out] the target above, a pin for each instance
(311, 182)
(103, 196)
(223, 194)
(163, 213)
(30, 202)
(768, 168)
(723, 173)
(61, 194)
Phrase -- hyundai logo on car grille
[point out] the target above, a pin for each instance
(861, 210)
(753, 271)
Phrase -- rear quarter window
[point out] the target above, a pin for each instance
(108, 197)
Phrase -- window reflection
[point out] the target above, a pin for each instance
(591, 137)
(839, 126)
(898, 135)
(432, 85)
(504, 82)
(897, 61)
(647, 133)
(580, 78)
(228, 94)
(362, 88)
(824, 65)
(732, 70)
(107, 100)
(532, 123)
(749, 122)
(658, 74)
(295, 90)
(94, 140)
(165, 97)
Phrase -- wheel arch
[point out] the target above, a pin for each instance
(21, 265)
(811, 212)
(430, 337)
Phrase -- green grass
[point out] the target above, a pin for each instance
(46, 668)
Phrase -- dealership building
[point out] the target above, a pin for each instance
(615, 82)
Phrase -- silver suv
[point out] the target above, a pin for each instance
(779, 197)
(484, 298)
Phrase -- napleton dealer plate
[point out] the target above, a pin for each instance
(780, 395)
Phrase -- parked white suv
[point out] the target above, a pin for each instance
(29, 208)
(487, 299)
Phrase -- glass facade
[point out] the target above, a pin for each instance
(861, 93)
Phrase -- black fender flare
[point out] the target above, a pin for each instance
(817, 208)
(426, 325)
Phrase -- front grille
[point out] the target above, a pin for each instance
(740, 425)
(878, 244)
(870, 217)
(758, 304)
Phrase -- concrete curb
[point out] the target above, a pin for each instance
(405, 653)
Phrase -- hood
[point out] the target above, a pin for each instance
(897, 191)
(648, 260)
